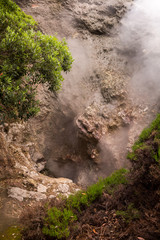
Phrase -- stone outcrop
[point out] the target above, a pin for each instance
(20, 182)
(98, 17)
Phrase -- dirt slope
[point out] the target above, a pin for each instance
(132, 212)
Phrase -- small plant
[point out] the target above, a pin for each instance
(157, 155)
(13, 232)
(95, 191)
(154, 126)
(85, 198)
(57, 222)
(77, 200)
(118, 177)
(130, 214)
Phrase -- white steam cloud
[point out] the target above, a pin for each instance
(140, 35)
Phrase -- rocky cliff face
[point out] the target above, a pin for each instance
(21, 183)
(83, 131)
(74, 128)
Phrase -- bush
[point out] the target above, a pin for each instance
(27, 58)
(130, 214)
(57, 222)
(93, 192)
(118, 177)
(148, 141)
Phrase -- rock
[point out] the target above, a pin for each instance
(98, 18)
(21, 194)
(63, 188)
(52, 196)
(37, 157)
(40, 166)
(72, 120)
(113, 87)
(41, 188)
(63, 180)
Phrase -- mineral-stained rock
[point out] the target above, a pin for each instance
(98, 18)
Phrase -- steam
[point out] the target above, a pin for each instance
(74, 88)
(65, 147)
(140, 43)
(140, 36)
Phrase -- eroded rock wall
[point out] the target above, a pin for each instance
(83, 131)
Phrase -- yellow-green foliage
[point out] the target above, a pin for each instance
(57, 221)
(27, 57)
(12, 233)
(154, 126)
(94, 191)
(117, 178)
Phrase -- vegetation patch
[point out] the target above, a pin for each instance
(56, 221)
(130, 214)
(93, 192)
(12, 233)
(27, 58)
(148, 141)
(113, 208)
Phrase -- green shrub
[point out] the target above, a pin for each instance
(85, 198)
(154, 126)
(95, 191)
(27, 58)
(13, 232)
(57, 221)
(130, 214)
(143, 143)
(77, 200)
(118, 177)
